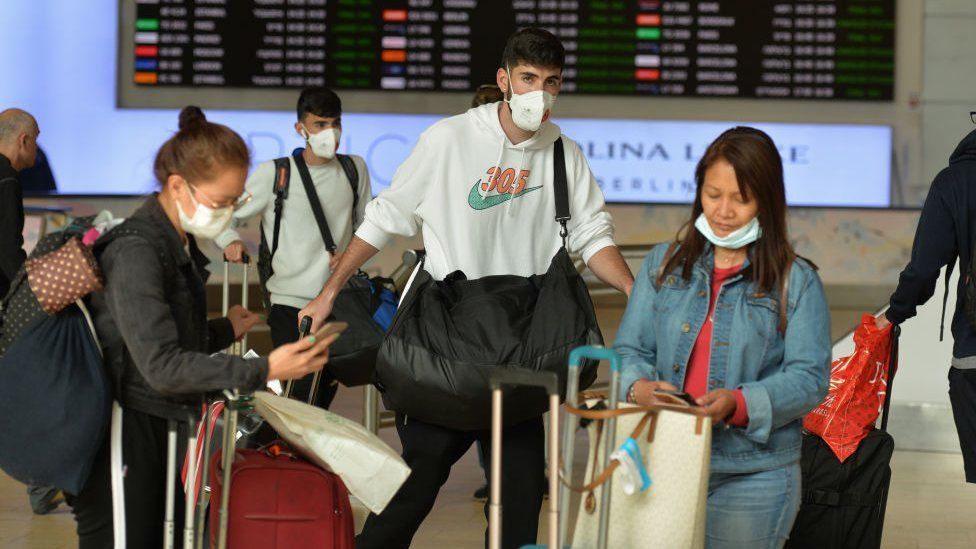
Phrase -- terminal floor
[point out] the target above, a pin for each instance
(930, 505)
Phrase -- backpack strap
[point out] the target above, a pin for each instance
(561, 189)
(316, 205)
(352, 174)
(134, 226)
(280, 189)
(945, 298)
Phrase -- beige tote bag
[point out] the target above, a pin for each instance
(675, 444)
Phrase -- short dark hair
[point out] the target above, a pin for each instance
(533, 46)
(320, 101)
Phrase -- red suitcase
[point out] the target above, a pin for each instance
(279, 500)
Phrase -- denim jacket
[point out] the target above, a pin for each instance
(782, 377)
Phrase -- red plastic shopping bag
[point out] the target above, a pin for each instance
(858, 386)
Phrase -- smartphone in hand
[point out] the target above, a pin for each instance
(331, 328)
(678, 394)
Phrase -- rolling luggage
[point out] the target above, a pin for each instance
(518, 377)
(273, 498)
(843, 505)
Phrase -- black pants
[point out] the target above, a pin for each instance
(430, 451)
(962, 396)
(283, 321)
(144, 439)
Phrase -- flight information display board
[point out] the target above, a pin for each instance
(800, 49)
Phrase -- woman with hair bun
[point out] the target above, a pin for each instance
(152, 323)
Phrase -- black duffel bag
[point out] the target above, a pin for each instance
(448, 336)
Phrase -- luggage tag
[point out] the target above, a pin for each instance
(634, 471)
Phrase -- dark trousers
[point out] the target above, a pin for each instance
(283, 321)
(430, 451)
(144, 439)
(962, 396)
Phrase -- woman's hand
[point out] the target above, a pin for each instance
(234, 252)
(719, 404)
(644, 391)
(242, 320)
(297, 360)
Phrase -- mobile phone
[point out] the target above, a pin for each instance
(678, 394)
(330, 328)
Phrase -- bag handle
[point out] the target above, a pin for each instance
(892, 366)
(561, 188)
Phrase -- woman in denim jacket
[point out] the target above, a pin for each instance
(706, 315)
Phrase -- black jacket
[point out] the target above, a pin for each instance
(12, 254)
(945, 232)
(152, 322)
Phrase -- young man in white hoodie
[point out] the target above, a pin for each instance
(480, 188)
(301, 264)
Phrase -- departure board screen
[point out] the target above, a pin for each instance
(812, 49)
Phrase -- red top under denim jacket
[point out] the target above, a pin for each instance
(696, 378)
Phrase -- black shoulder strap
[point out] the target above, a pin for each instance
(945, 297)
(352, 174)
(561, 188)
(316, 206)
(134, 226)
(280, 189)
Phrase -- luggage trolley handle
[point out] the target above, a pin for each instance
(303, 330)
(576, 358)
(237, 347)
(235, 404)
(521, 377)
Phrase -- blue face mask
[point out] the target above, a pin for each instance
(743, 236)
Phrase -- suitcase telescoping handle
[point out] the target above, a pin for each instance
(517, 377)
(304, 327)
(236, 348)
(892, 366)
(576, 359)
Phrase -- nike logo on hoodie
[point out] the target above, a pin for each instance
(477, 202)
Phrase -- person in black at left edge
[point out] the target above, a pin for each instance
(18, 151)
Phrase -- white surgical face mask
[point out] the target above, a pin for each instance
(743, 236)
(324, 143)
(206, 222)
(529, 110)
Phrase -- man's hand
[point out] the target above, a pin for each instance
(242, 320)
(234, 252)
(719, 404)
(881, 321)
(319, 309)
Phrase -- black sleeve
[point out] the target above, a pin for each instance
(135, 298)
(221, 334)
(934, 248)
(12, 253)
